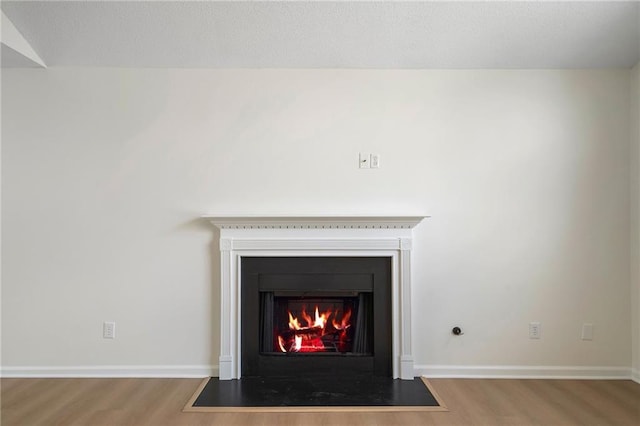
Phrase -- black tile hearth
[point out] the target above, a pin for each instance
(358, 391)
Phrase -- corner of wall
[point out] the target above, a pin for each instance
(635, 218)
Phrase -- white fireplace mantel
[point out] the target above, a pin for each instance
(375, 236)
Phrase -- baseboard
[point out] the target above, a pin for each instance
(523, 372)
(429, 371)
(160, 371)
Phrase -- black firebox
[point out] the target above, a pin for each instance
(316, 316)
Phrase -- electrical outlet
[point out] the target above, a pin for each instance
(535, 330)
(108, 330)
(374, 161)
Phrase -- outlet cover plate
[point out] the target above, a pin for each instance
(535, 330)
(587, 331)
(109, 330)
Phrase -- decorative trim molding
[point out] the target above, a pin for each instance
(429, 371)
(406, 244)
(522, 372)
(317, 244)
(112, 371)
(315, 222)
(226, 244)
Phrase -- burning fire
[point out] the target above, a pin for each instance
(316, 336)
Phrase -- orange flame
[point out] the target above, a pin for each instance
(344, 323)
(293, 322)
(309, 338)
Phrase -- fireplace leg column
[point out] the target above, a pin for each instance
(406, 355)
(227, 360)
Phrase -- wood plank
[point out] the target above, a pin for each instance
(158, 402)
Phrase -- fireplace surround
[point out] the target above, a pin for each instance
(244, 237)
(316, 316)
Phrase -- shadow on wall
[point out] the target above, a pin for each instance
(204, 225)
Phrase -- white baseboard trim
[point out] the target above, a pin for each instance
(523, 372)
(430, 371)
(112, 371)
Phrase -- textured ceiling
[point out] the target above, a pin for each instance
(344, 34)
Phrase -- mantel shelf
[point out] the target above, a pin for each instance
(315, 222)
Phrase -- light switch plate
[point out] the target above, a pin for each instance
(364, 161)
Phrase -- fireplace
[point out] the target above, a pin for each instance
(275, 272)
(316, 315)
(301, 322)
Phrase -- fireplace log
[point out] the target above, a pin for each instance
(304, 331)
(310, 333)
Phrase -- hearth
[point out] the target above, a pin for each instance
(316, 315)
(385, 239)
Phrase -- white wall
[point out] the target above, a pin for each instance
(106, 171)
(635, 218)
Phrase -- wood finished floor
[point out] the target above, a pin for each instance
(155, 402)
